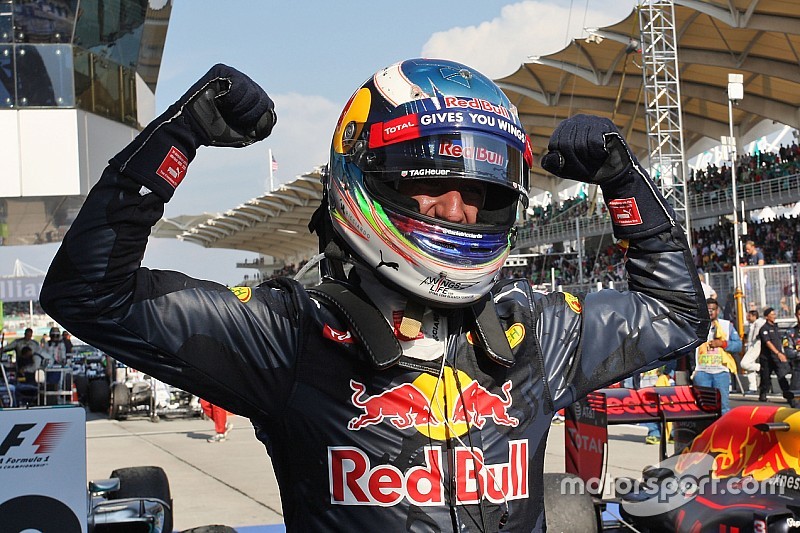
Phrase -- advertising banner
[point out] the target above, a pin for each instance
(20, 288)
(43, 469)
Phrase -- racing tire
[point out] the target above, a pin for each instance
(210, 529)
(120, 402)
(566, 513)
(99, 392)
(144, 482)
(81, 386)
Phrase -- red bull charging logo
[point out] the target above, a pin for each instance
(438, 411)
(740, 448)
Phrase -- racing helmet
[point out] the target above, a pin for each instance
(413, 122)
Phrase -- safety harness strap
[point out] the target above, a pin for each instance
(490, 332)
(364, 320)
(378, 339)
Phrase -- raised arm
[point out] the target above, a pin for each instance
(194, 334)
(663, 312)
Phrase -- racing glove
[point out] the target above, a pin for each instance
(591, 149)
(223, 108)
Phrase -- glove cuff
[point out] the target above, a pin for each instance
(636, 206)
(159, 156)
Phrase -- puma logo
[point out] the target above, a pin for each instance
(390, 264)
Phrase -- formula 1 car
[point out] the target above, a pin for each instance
(135, 393)
(44, 480)
(736, 473)
(91, 377)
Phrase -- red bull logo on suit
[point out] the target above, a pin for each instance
(420, 405)
(354, 481)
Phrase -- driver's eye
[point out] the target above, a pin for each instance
(473, 196)
(476, 189)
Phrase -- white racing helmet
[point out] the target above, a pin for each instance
(426, 119)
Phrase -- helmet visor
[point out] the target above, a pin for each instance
(483, 140)
(463, 155)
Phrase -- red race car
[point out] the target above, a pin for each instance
(734, 474)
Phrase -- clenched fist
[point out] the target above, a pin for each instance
(590, 149)
(223, 108)
(586, 148)
(229, 108)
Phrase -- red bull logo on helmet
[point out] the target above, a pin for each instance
(454, 148)
(421, 405)
(476, 103)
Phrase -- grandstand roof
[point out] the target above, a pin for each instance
(274, 224)
(602, 74)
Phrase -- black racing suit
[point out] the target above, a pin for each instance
(792, 351)
(770, 362)
(355, 448)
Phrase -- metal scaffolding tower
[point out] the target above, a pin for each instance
(662, 92)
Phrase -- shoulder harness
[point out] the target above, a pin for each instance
(372, 330)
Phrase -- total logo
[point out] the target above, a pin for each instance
(421, 405)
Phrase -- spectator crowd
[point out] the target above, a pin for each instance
(750, 168)
(713, 247)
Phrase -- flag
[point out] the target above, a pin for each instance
(274, 164)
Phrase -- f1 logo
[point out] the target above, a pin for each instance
(45, 442)
(13, 438)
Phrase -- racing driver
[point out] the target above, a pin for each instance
(411, 390)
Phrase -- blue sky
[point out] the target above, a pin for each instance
(310, 56)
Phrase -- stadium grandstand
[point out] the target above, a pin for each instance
(565, 237)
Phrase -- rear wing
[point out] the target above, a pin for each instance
(689, 408)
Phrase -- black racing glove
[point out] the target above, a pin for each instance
(590, 149)
(224, 108)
